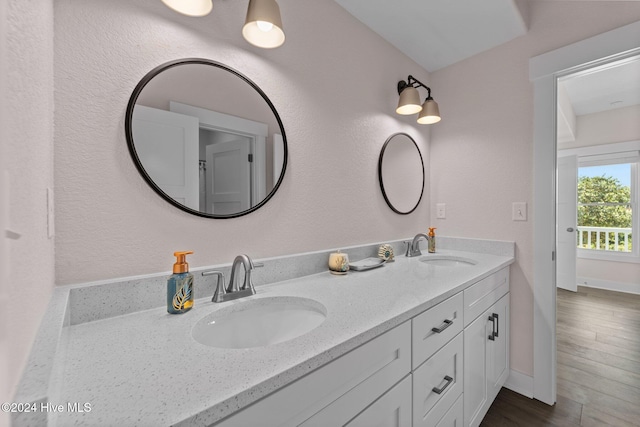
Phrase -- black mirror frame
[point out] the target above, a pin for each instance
(384, 193)
(136, 160)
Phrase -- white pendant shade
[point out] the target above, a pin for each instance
(263, 26)
(190, 7)
(430, 113)
(409, 102)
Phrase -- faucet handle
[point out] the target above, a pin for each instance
(258, 264)
(408, 245)
(220, 291)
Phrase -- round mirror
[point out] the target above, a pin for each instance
(401, 173)
(206, 138)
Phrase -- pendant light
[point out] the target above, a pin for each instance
(263, 26)
(190, 7)
(409, 102)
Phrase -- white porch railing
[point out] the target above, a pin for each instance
(600, 238)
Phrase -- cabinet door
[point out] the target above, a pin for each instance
(393, 409)
(486, 360)
(476, 367)
(499, 347)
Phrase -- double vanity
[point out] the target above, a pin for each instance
(420, 341)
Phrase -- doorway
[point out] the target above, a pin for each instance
(544, 71)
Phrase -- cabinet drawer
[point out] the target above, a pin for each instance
(343, 387)
(441, 373)
(454, 417)
(482, 295)
(435, 327)
(393, 409)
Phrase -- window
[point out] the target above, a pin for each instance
(607, 208)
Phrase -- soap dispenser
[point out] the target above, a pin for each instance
(432, 240)
(180, 285)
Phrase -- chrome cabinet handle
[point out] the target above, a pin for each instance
(449, 380)
(442, 327)
(495, 316)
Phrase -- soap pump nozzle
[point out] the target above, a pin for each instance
(181, 265)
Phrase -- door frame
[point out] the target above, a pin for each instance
(543, 73)
(256, 131)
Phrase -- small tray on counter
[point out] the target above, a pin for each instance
(366, 264)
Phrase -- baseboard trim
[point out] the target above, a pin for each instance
(631, 288)
(520, 383)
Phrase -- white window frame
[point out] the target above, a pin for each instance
(609, 154)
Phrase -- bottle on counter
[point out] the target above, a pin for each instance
(180, 285)
(432, 240)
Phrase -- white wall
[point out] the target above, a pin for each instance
(333, 83)
(607, 127)
(482, 151)
(27, 139)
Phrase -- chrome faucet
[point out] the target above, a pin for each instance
(413, 248)
(233, 291)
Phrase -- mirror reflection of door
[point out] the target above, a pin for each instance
(167, 144)
(221, 100)
(228, 172)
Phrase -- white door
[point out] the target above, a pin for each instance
(167, 146)
(228, 177)
(567, 223)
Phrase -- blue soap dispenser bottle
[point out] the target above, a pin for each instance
(180, 285)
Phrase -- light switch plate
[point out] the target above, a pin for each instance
(519, 212)
(441, 211)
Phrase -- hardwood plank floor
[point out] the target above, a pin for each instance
(598, 343)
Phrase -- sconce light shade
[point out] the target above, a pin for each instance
(263, 26)
(430, 113)
(409, 102)
(190, 7)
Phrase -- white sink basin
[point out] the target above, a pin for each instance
(448, 261)
(259, 322)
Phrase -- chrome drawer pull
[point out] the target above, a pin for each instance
(449, 380)
(442, 327)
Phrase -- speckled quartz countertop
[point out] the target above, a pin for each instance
(145, 368)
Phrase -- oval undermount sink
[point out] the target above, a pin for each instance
(448, 261)
(259, 322)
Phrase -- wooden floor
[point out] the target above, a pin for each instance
(598, 336)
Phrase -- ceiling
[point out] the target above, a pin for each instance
(612, 86)
(438, 33)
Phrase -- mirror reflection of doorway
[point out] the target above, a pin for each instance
(227, 184)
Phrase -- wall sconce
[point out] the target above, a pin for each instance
(190, 7)
(263, 26)
(409, 102)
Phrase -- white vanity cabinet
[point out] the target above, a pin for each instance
(486, 344)
(442, 368)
